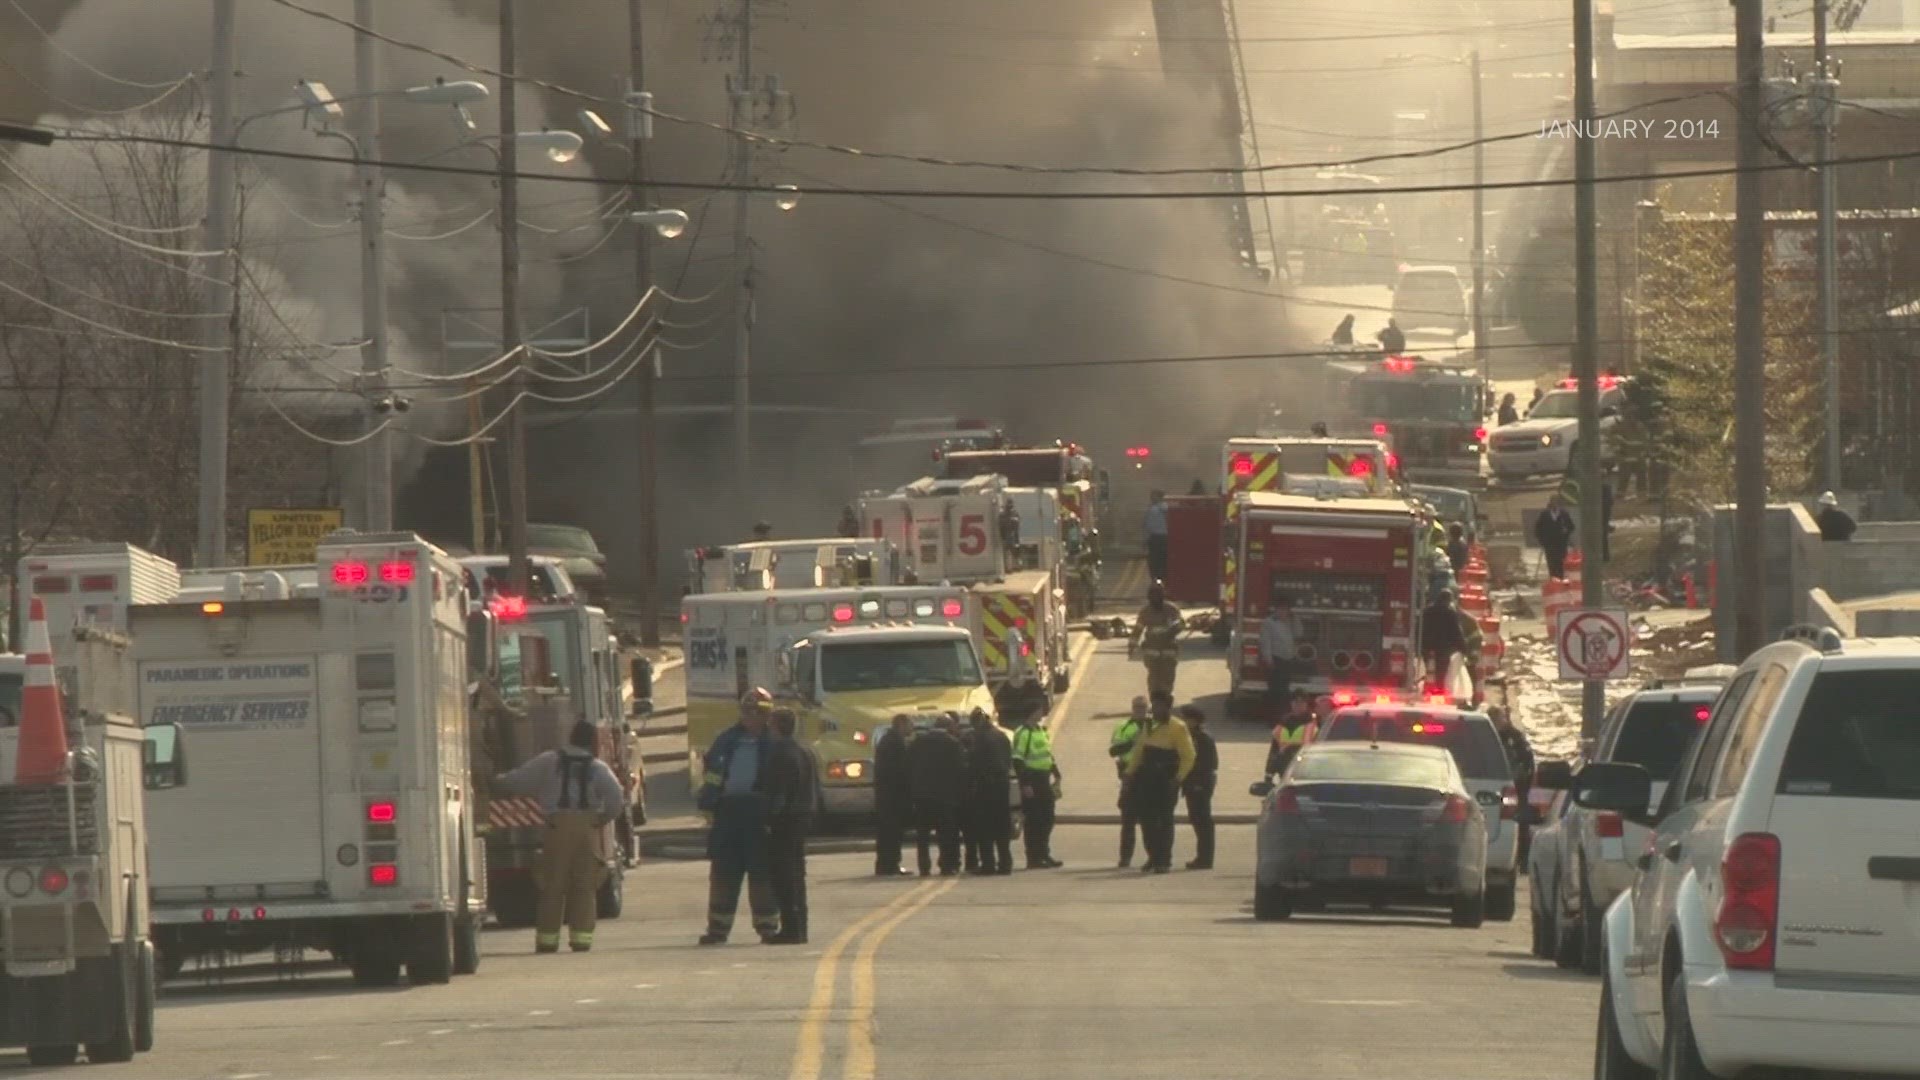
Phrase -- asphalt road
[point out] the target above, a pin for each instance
(1074, 973)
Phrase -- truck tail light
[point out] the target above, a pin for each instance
(383, 875)
(381, 813)
(950, 609)
(396, 573)
(54, 881)
(1749, 903)
(350, 573)
(1608, 825)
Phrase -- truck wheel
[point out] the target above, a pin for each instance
(52, 1057)
(1271, 903)
(1501, 901)
(1590, 927)
(430, 950)
(612, 897)
(117, 972)
(466, 945)
(145, 990)
(373, 957)
(1061, 680)
(1469, 910)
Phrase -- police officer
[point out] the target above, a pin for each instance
(892, 796)
(990, 814)
(734, 788)
(1119, 746)
(1198, 786)
(581, 797)
(793, 790)
(1035, 768)
(1159, 765)
(1156, 639)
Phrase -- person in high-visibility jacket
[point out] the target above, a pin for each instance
(1295, 730)
(1120, 748)
(1156, 769)
(1034, 767)
(1156, 639)
(580, 796)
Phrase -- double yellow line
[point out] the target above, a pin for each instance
(810, 1051)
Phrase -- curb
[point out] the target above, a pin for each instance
(1181, 819)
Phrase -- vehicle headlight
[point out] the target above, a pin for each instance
(856, 769)
(1549, 439)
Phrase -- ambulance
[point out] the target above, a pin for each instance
(823, 563)
(846, 660)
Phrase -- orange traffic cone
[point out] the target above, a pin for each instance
(42, 757)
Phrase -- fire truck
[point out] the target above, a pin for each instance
(1349, 572)
(547, 667)
(1432, 415)
(1083, 488)
(964, 532)
(825, 563)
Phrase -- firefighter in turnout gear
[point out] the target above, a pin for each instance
(1156, 639)
(733, 789)
(580, 796)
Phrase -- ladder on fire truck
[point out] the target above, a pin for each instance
(1200, 47)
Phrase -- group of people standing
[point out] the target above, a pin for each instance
(1163, 755)
(950, 786)
(761, 784)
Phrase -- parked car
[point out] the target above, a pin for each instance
(1380, 823)
(1775, 919)
(577, 552)
(1543, 853)
(1481, 759)
(1593, 859)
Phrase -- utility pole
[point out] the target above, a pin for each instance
(511, 336)
(1586, 355)
(1479, 225)
(1749, 356)
(638, 124)
(222, 336)
(1826, 86)
(742, 112)
(373, 251)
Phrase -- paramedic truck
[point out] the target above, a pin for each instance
(330, 805)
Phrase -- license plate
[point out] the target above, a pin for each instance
(1368, 867)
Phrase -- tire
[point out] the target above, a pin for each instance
(373, 959)
(53, 1057)
(1543, 932)
(1569, 938)
(430, 950)
(1470, 910)
(1610, 1060)
(122, 967)
(1271, 903)
(612, 897)
(146, 989)
(1501, 901)
(1679, 1054)
(466, 944)
(1590, 928)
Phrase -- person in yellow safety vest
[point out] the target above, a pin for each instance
(1120, 748)
(1034, 767)
(1474, 642)
(1159, 624)
(1156, 769)
(1294, 730)
(580, 796)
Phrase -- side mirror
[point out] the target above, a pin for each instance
(1553, 775)
(1609, 785)
(164, 758)
(1260, 789)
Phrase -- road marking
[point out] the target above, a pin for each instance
(586, 1001)
(1364, 1003)
(478, 1024)
(540, 1012)
(441, 1031)
(646, 986)
(248, 1076)
(396, 1042)
(860, 1024)
(324, 1057)
(1075, 677)
(810, 1048)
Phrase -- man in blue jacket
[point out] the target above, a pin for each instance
(734, 788)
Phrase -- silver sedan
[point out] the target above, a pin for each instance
(1374, 823)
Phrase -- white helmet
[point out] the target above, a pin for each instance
(1827, 498)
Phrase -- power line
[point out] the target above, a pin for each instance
(55, 45)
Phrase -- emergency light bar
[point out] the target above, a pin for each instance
(1398, 364)
(1607, 382)
(1139, 451)
(514, 608)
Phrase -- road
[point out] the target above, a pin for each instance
(1063, 975)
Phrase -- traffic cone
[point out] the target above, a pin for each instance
(42, 755)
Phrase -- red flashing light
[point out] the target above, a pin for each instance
(1241, 464)
(1479, 434)
(1139, 452)
(1750, 902)
(54, 881)
(951, 608)
(1380, 431)
(1435, 699)
(1360, 467)
(259, 913)
(381, 813)
(1026, 648)
(396, 573)
(1608, 825)
(861, 737)
(1606, 382)
(514, 608)
(1456, 810)
(1398, 364)
(383, 874)
(1383, 699)
(1343, 698)
(1701, 712)
(1429, 728)
(350, 573)
(843, 613)
(1286, 802)
(233, 914)
(207, 915)
(1393, 461)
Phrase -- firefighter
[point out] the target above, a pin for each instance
(1835, 523)
(1036, 770)
(1343, 334)
(1279, 652)
(762, 531)
(1010, 533)
(1458, 551)
(1473, 643)
(990, 815)
(1441, 638)
(581, 797)
(892, 796)
(793, 790)
(1154, 524)
(1119, 746)
(734, 787)
(1392, 338)
(1319, 429)
(1156, 769)
(1156, 639)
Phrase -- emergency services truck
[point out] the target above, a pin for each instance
(824, 563)
(79, 964)
(1432, 414)
(873, 653)
(330, 805)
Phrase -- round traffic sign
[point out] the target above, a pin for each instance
(1593, 644)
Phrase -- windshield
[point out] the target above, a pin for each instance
(561, 653)
(1471, 739)
(540, 581)
(562, 538)
(887, 665)
(1858, 737)
(1657, 734)
(1369, 767)
(1392, 399)
(1428, 300)
(1559, 405)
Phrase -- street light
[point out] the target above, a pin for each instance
(786, 196)
(667, 223)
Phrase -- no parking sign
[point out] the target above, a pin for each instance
(1593, 644)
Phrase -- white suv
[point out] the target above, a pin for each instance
(1775, 921)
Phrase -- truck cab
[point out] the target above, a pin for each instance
(846, 683)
